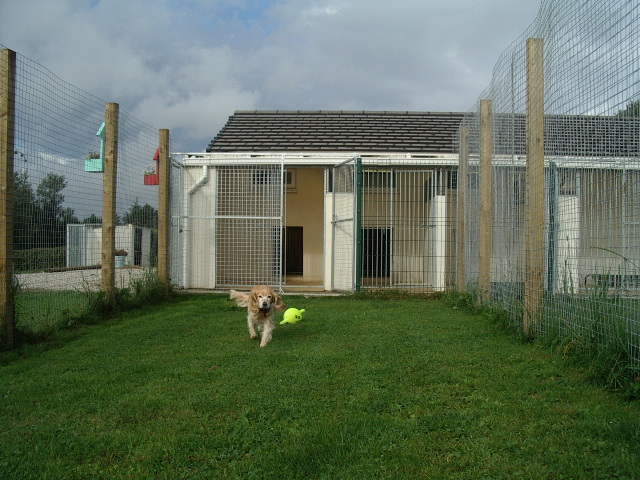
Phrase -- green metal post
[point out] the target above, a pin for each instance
(358, 222)
(553, 201)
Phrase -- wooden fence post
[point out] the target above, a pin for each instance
(109, 183)
(486, 206)
(534, 179)
(163, 208)
(7, 132)
(463, 183)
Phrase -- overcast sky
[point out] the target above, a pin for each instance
(187, 65)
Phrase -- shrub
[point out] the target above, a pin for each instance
(38, 259)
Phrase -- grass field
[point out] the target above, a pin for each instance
(362, 388)
(41, 312)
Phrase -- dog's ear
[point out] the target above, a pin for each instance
(239, 297)
(278, 304)
(253, 298)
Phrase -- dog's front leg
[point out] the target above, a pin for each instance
(252, 330)
(266, 334)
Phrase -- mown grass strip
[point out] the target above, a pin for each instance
(361, 388)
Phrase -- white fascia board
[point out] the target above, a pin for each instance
(315, 159)
(596, 163)
(399, 159)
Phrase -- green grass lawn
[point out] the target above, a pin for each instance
(361, 388)
(41, 312)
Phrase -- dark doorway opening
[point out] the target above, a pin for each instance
(376, 252)
(292, 252)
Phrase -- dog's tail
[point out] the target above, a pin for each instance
(242, 299)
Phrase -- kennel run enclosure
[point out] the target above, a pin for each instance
(335, 223)
(591, 234)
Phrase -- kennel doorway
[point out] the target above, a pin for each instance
(376, 253)
(292, 260)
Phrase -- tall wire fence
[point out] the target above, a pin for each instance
(58, 170)
(564, 234)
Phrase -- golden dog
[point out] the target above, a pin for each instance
(262, 302)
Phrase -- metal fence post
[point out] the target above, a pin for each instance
(358, 223)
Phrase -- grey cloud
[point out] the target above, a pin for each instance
(187, 66)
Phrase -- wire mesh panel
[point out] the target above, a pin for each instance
(584, 247)
(344, 225)
(248, 230)
(407, 227)
(508, 232)
(228, 223)
(136, 199)
(378, 232)
(177, 224)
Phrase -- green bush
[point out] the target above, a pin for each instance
(38, 259)
(141, 292)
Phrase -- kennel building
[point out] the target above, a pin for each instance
(84, 244)
(318, 200)
(339, 201)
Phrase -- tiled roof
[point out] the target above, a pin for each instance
(338, 131)
(419, 132)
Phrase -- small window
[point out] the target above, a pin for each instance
(290, 180)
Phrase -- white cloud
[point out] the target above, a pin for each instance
(187, 66)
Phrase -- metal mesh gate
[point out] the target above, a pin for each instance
(393, 226)
(176, 202)
(407, 227)
(248, 228)
(345, 224)
(227, 226)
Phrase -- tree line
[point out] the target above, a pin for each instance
(40, 219)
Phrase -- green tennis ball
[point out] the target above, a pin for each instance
(292, 316)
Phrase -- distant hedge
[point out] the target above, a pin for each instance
(38, 259)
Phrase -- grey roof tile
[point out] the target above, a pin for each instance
(357, 131)
(418, 132)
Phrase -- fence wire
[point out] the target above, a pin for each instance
(57, 197)
(590, 212)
